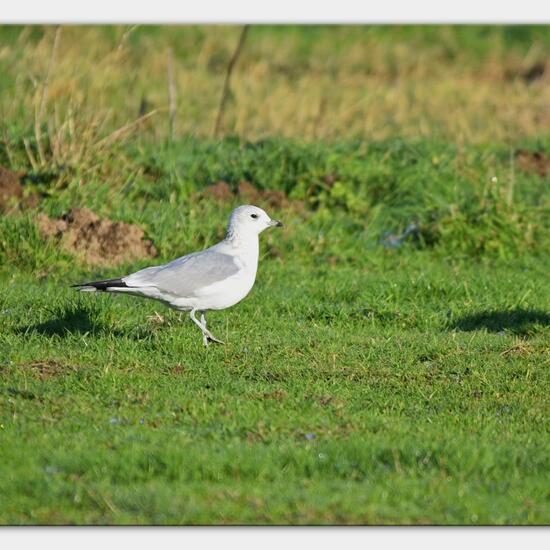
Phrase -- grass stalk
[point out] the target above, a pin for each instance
(227, 80)
(172, 95)
(39, 112)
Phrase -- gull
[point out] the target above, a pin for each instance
(212, 279)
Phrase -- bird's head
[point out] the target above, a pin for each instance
(250, 220)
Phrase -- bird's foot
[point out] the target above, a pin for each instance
(208, 337)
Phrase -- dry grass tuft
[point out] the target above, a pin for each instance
(77, 85)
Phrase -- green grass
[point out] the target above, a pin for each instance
(359, 384)
(426, 400)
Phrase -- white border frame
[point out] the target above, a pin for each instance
(281, 11)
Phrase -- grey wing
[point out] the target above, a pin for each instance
(186, 275)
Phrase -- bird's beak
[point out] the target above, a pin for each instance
(275, 223)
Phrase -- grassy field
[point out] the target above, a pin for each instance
(469, 83)
(367, 379)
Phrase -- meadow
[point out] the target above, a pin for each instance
(391, 364)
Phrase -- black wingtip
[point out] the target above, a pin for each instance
(103, 285)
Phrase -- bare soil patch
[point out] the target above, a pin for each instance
(97, 241)
(533, 161)
(49, 368)
(219, 191)
(11, 191)
(248, 193)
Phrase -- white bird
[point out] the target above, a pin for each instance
(213, 279)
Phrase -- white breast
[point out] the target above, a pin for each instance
(230, 291)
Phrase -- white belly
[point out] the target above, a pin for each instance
(220, 295)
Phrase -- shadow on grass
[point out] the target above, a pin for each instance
(74, 321)
(518, 321)
(81, 320)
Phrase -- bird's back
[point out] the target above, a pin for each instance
(185, 276)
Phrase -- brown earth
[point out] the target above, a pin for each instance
(49, 368)
(97, 241)
(11, 191)
(533, 161)
(177, 369)
(221, 191)
(275, 199)
(278, 395)
(529, 74)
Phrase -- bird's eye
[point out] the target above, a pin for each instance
(254, 216)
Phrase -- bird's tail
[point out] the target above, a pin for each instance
(101, 286)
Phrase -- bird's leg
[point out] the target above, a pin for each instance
(207, 336)
(203, 324)
(203, 329)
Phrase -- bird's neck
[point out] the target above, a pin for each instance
(247, 246)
